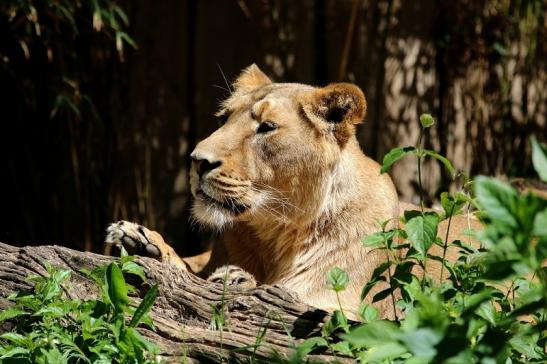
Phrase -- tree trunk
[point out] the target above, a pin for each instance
(183, 309)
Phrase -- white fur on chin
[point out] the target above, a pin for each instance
(212, 216)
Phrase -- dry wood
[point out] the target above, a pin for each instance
(184, 308)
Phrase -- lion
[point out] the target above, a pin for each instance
(286, 182)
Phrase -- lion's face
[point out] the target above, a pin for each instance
(272, 156)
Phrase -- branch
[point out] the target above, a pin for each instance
(183, 309)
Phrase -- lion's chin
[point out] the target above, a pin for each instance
(212, 216)
(212, 213)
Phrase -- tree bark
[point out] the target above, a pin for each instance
(184, 307)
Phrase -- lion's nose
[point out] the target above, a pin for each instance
(203, 165)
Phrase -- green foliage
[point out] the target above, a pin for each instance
(539, 158)
(422, 232)
(55, 30)
(426, 120)
(490, 309)
(49, 327)
(395, 154)
(337, 279)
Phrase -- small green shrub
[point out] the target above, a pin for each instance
(51, 328)
(483, 311)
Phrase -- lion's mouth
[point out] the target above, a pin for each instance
(233, 207)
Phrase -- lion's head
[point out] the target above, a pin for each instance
(278, 147)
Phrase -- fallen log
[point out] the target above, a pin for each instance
(184, 307)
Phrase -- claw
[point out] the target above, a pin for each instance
(152, 251)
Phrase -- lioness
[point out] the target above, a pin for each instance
(286, 182)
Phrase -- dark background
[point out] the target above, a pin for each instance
(101, 102)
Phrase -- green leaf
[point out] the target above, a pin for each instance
(373, 241)
(409, 214)
(61, 276)
(487, 312)
(499, 270)
(422, 232)
(53, 311)
(370, 285)
(426, 120)
(338, 279)
(124, 36)
(382, 294)
(529, 308)
(133, 268)
(116, 287)
(383, 353)
(11, 313)
(124, 256)
(145, 306)
(339, 320)
(540, 224)
(449, 167)
(421, 342)
(524, 345)
(380, 269)
(394, 155)
(372, 334)
(121, 14)
(342, 347)
(136, 339)
(15, 353)
(452, 205)
(498, 199)
(15, 338)
(308, 345)
(403, 272)
(539, 158)
(474, 301)
(53, 355)
(368, 313)
(51, 290)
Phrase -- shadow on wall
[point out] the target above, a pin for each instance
(477, 67)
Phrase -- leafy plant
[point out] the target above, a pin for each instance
(426, 121)
(49, 327)
(471, 315)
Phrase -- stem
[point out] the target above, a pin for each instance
(424, 275)
(390, 256)
(419, 156)
(391, 293)
(446, 239)
(340, 303)
(420, 190)
(509, 292)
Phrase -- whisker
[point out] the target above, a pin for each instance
(222, 88)
(224, 77)
(277, 196)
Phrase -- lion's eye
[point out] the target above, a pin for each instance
(266, 126)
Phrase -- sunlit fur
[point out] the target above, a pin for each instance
(310, 192)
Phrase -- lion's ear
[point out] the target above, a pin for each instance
(340, 102)
(336, 108)
(251, 78)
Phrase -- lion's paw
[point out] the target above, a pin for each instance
(233, 276)
(135, 238)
